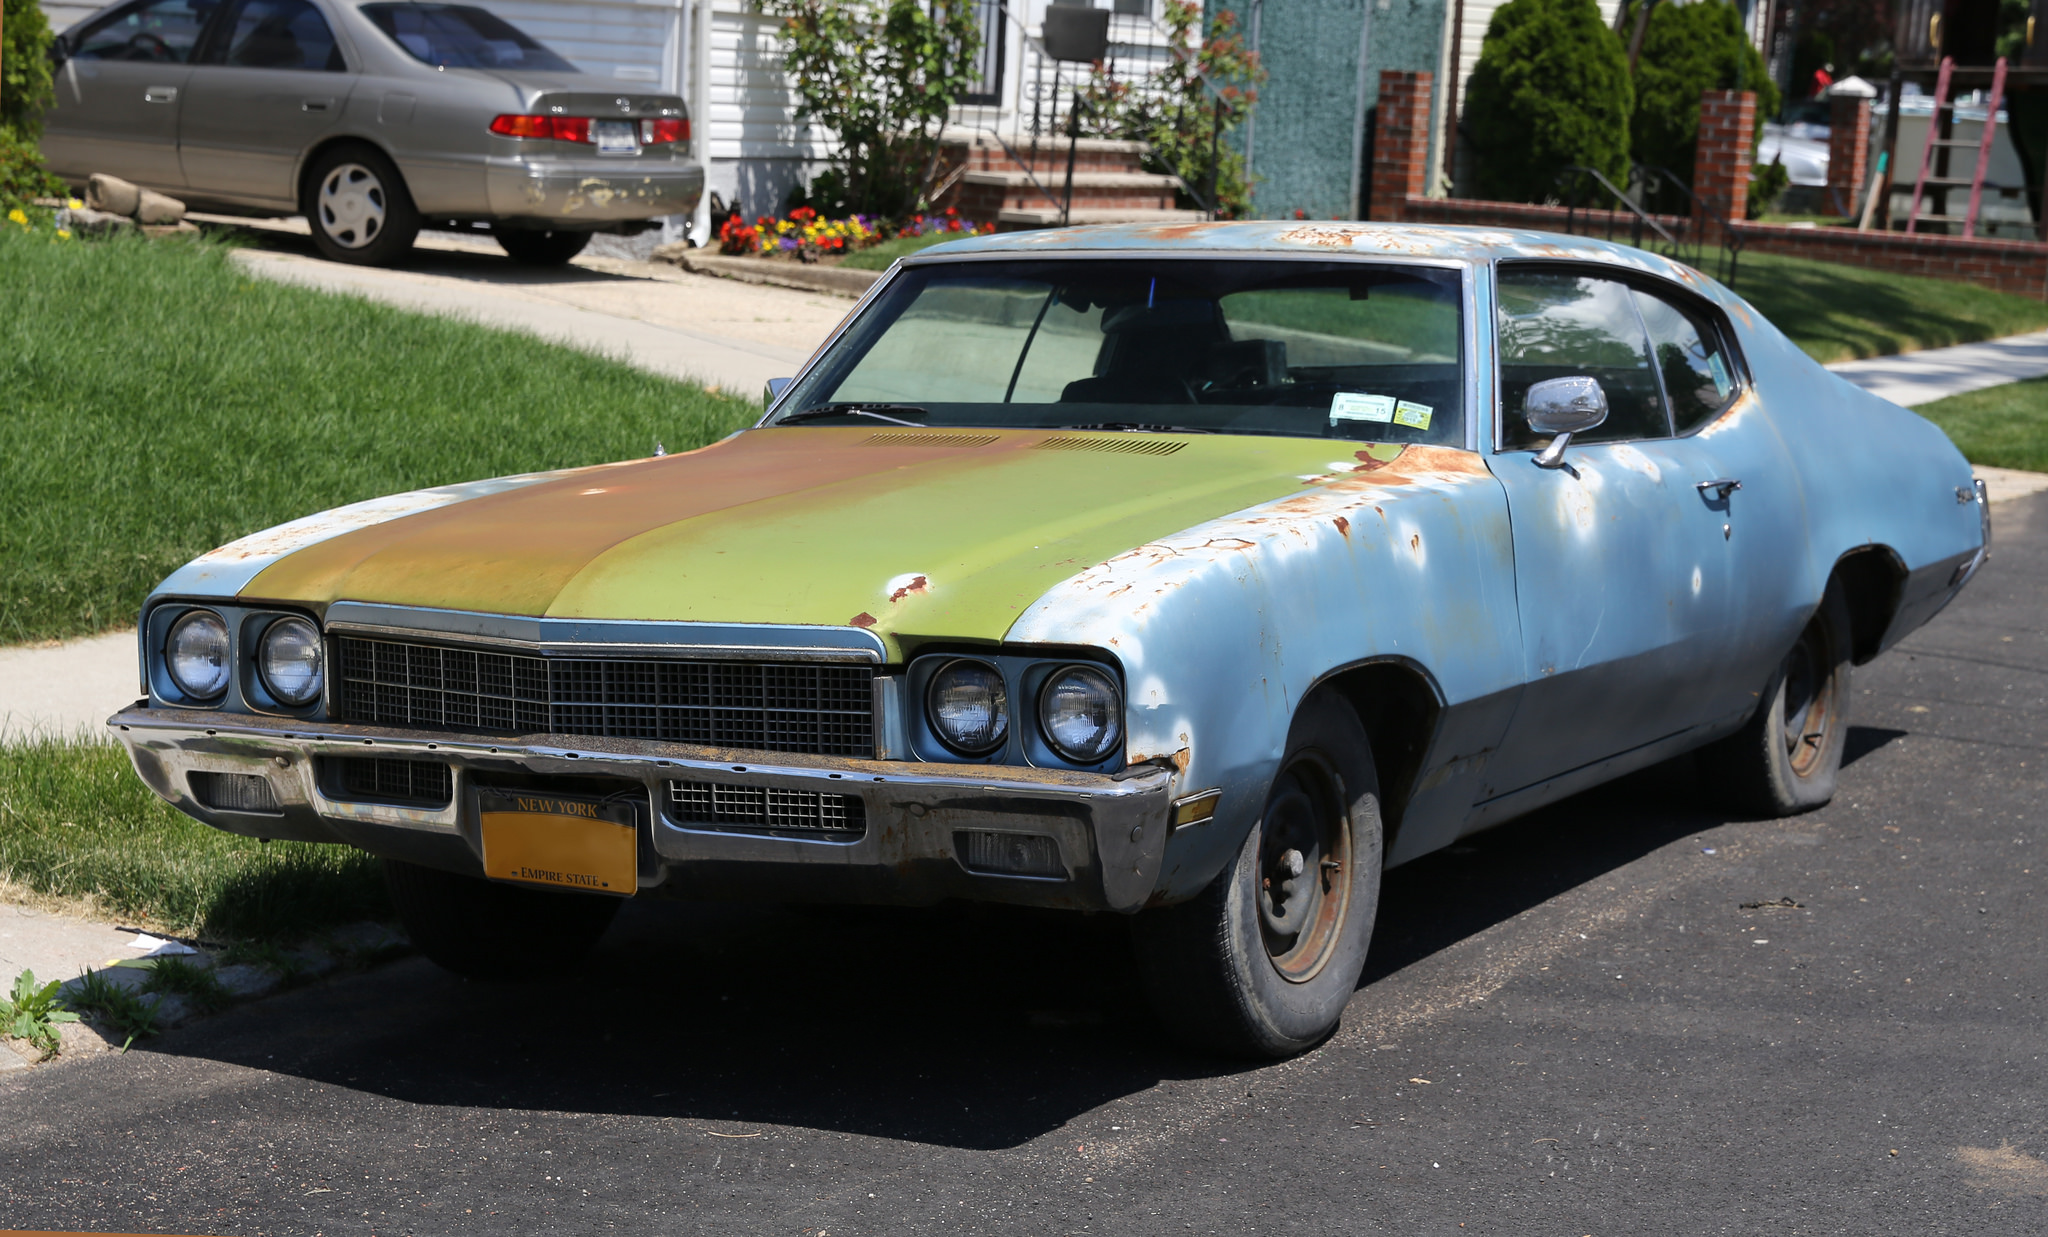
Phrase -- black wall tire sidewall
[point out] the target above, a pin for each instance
(483, 929)
(540, 248)
(401, 217)
(1751, 767)
(1205, 962)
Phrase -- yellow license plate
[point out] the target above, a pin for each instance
(564, 842)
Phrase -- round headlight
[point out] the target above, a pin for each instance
(290, 661)
(969, 707)
(196, 654)
(1082, 716)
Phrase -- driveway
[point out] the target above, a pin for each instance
(726, 334)
(1628, 1014)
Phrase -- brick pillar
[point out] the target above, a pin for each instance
(1720, 171)
(1400, 144)
(1848, 153)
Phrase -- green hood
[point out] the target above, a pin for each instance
(936, 533)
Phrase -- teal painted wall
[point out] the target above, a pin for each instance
(1306, 120)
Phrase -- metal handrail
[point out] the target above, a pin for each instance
(1642, 217)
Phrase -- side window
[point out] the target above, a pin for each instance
(154, 32)
(1698, 374)
(279, 34)
(1556, 324)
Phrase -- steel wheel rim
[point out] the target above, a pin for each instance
(1808, 701)
(1303, 891)
(351, 206)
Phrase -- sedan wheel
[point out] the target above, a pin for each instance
(1263, 961)
(351, 209)
(358, 206)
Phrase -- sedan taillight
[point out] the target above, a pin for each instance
(560, 128)
(655, 132)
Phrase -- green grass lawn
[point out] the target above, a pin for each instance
(880, 256)
(159, 403)
(2005, 426)
(1839, 313)
(78, 827)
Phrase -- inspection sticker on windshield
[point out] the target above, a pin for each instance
(1417, 415)
(1352, 406)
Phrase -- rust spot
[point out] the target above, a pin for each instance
(1415, 541)
(1366, 462)
(863, 619)
(918, 584)
(1343, 526)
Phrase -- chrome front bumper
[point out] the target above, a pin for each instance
(592, 191)
(1110, 829)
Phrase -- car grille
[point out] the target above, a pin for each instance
(819, 709)
(425, 783)
(718, 805)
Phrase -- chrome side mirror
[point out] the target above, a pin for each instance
(776, 386)
(1563, 407)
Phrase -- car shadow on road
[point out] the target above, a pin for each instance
(480, 265)
(958, 1025)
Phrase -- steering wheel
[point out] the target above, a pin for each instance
(156, 49)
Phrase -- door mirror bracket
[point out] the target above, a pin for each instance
(1562, 407)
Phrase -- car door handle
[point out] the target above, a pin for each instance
(1722, 487)
(159, 94)
(316, 105)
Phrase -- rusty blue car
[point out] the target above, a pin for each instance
(1194, 573)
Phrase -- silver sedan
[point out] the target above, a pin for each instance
(369, 119)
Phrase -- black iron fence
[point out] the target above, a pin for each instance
(1596, 206)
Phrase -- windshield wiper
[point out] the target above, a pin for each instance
(857, 410)
(1141, 427)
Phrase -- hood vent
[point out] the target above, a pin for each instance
(924, 439)
(1124, 446)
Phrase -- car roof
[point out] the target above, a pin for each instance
(1379, 240)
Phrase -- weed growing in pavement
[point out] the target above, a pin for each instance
(32, 1012)
(263, 953)
(177, 977)
(121, 1009)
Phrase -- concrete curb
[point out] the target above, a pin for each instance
(355, 946)
(833, 280)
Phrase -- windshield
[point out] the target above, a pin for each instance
(455, 36)
(1306, 349)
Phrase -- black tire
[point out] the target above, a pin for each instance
(532, 247)
(489, 930)
(1220, 970)
(1785, 759)
(358, 206)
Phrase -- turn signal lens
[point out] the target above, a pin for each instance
(291, 661)
(558, 128)
(655, 132)
(1081, 713)
(196, 654)
(969, 707)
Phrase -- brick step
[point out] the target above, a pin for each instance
(983, 205)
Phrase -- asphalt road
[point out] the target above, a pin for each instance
(1570, 1026)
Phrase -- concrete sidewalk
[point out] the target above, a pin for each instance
(726, 334)
(1916, 378)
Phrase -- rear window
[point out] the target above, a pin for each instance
(456, 36)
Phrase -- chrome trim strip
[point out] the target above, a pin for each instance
(601, 637)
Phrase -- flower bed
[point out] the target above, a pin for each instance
(806, 237)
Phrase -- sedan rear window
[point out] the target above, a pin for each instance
(456, 36)
(1304, 349)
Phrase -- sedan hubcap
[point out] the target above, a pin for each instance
(1304, 848)
(351, 206)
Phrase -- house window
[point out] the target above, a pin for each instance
(986, 86)
(1134, 8)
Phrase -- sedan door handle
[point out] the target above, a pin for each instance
(159, 94)
(316, 105)
(1722, 487)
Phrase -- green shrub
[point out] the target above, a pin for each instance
(1551, 90)
(22, 175)
(1767, 183)
(24, 68)
(1689, 49)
